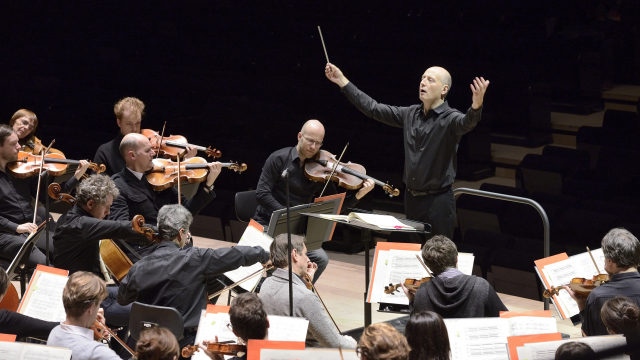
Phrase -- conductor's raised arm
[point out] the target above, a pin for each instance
(478, 88)
(334, 74)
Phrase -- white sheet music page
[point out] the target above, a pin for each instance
(465, 263)
(45, 302)
(531, 325)
(547, 350)
(250, 237)
(286, 328)
(309, 354)
(401, 265)
(24, 351)
(478, 338)
(212, 325)
(376, 287)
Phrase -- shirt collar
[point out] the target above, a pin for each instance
(294, 154)
(439, 109)
(137, 174)
(78, 330)
(450, 273)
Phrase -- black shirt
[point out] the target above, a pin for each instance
(24, 326)
(430, 140)
(77, 239)
(109, 155)
(272, 188)
(15, 199)
(624, 284)
(176, 277)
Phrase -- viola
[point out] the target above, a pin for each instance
(98, 328)
(220, 348)
(411, 284)
(137, 224)
(348, 175)
(11, 299)
(164, 174)
(28, 165)
(580, 286)
(173, 145)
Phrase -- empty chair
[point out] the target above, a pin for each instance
(246, 204)
(143, 316)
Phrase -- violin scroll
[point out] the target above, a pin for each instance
(214, 153)
(237, 167)
(137, 223)
(390, 190)
(55, 192)
(98, 168)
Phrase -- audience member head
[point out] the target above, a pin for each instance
(129, 112)
(9, 146)
(25, 123)
(248, 317)
(620, 315)
(439, 253)
(157, 343)
(279, 252)
(173, 224)
(310, 139)
(574, 350)
(428, 337)
(95, 195)
(382, 341)
(137, 152)
(4, 283)
(82, 296)
(621, 251)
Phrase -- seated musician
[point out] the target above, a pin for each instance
(271, 189)
(180, 277)
(574, 350)
(20, 325)
(427, 336)
(25, 123)
(452, 294)
(16, 211)
(157, 343)
(621, 257)
(81, 299)
(248, 321)
(138, 198)
(275, 292)
(382, 341)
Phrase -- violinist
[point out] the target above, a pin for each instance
(16, 211)
(452, 294)
(138, 198)
(432, 131)
(271, 189)
(181, 277)
(157, 343)
(621, 257)
(81, 298)
(25, 123)
(306, 304)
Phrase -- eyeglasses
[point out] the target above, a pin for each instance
(27, 123)
(316, 143)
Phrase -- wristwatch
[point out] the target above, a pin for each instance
(210, 188)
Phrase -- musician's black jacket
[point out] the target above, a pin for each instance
(24, 326)
(109, 155)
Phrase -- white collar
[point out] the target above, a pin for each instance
(137, 174)
(78, 330)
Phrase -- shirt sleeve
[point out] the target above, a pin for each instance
(321, 326)
(218, 261)
(127, 290)
(93, 229)
(119, 207)
(24, 326)
(387, 114)
(198, 201)
(462, 124)
(8, 225)
(267, 182)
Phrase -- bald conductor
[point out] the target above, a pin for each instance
(432, 131)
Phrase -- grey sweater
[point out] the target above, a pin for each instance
(275, 296)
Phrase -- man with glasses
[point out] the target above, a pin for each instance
(271, 191)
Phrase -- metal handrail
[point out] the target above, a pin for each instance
(516, 199)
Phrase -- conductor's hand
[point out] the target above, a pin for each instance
(214, 171)
(26, 227)
(82, 168)
(478, 88)
(410, 293)
(334, 74)
(311, 269)
(366, 187)
(581, 300)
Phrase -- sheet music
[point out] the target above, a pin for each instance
(250, 237)
(547, 350)
(478, 339)
(381, 221)
(286, 328)
(24, 351)
(10, 351)
(465, 263)
(210, 325)
(376, 287)
(309, 354)
(401, 265)
(530, 325)
(45, 302)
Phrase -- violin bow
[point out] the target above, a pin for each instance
(179, 190)
(113, 335)
(594, 260)
(335, 167)
(43, 153)
(259, 272)
(325, 306)
(425, 266)
(161, 137)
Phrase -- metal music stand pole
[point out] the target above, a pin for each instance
(46, 206)
(290, 248)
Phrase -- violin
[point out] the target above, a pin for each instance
(98, 328)
(411, 284)
(348, 175)
(173, 145)
(28, 165)
(580, 286)
(220, 348)
(137, 224)
(164, 174)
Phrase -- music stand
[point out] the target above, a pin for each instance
(18, 265)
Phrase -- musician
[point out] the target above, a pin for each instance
(432, 131)
(450, 293)
(271, 189)
(25, 123)
(157, 343)
(621, 257)
(16, 211)
(382, 341)
(427, 336)
(138, 198)
(20, 325)
(81, 298)
(275, 292)
(620, 315)
(574, 350)
(180, 277)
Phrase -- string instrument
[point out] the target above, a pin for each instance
(580, 286)
(220, 348)
(348, 175)
(11, 299)
(137, 224)
(35, 147)
(309, 283)
(164, 174)
(28, 165)
(98, 328)
(173, 145)
(411, 284)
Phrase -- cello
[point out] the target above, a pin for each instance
(173, 145)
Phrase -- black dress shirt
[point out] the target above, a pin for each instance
(624, 284)
(77, 240)
(25, 326)
(109, 155)
(272, 188)
(430, 140)
(15, 199)
(177, 277)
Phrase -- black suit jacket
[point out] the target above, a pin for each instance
(109, 155)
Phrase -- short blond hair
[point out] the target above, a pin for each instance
(128, 103)
(83, 289)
